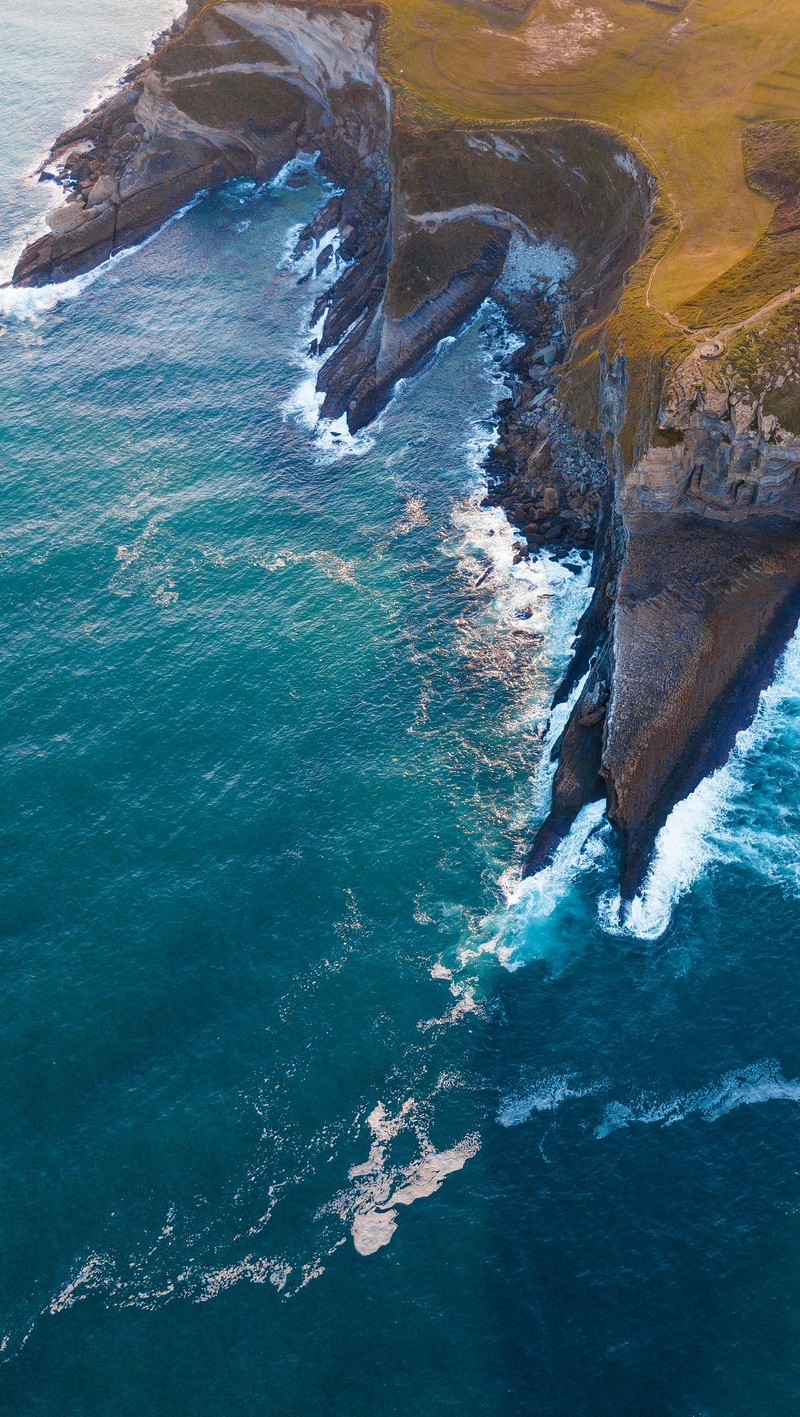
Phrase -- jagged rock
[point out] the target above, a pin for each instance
(104, 190)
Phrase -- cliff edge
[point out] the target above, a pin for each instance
(673, 451)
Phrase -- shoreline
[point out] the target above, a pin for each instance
(677, 502)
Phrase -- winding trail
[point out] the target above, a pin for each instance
(495, 216)
(710, 344)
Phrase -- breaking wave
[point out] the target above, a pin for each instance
(723, 822)
(742, 1087)
(32, 302)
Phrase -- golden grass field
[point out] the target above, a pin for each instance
(682, 84)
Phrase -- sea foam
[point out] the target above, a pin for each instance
(699, 833)
(544, 1094)
(742, 1087)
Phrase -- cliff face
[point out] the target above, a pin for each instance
(426, 215)
(697, 537)
(699, 594)
(236, 92)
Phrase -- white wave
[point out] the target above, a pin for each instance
(536, 597)
(698, 834)
(542, 599)
(546, 1094)
(742, 1087)
(531, 606)
(533, 899)
(332, 437)
(32, 302)
(683, 851)
(302, 162)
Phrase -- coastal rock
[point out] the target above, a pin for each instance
(694, 523)
(700, 596)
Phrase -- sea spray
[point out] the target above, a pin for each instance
(31, 302)
(698, 835)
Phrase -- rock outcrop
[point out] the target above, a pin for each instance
(426, 215)
(700, 592)
(237, 91)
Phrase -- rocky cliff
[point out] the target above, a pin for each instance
(698, 591)
(682, 482)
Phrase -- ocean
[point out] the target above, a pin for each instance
(308, 1105)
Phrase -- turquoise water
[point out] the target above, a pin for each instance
(305, 1107)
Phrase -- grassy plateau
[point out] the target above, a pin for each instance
(682, 84)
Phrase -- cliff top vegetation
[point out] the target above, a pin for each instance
(683, 83)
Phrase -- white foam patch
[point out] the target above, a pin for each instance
(545, 1094)
(699, 834)
(328, 563)
(32, 302)
(378, 1187)
(465, 1003)
(742, 1087)
(683, 851)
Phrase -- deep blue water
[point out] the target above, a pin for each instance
(305, 1106)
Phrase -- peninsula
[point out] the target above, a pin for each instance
(654, 413)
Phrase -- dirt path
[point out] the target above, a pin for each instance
(716, 342)
(496, 216)
(712, 344)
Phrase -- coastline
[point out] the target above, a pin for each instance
(432, 221)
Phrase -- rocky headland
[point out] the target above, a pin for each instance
(674, 461)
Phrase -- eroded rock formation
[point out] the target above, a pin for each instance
(696, 533)
(698, 593)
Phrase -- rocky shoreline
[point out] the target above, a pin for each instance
(690, 504)
(548, 477)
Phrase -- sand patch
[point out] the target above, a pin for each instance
(553, 43)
